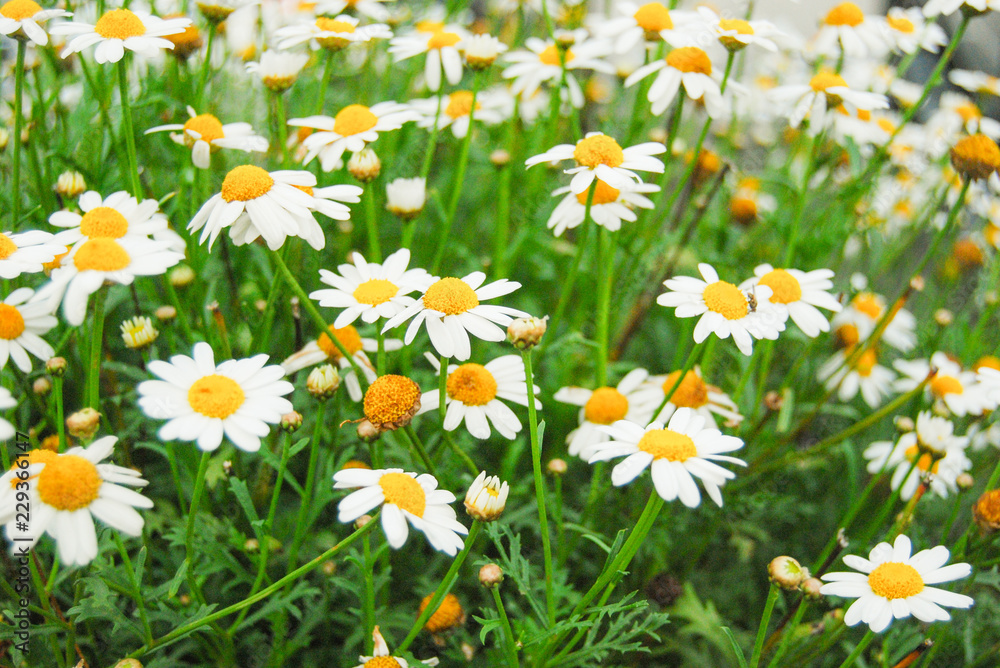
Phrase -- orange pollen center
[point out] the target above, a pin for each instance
(207, 125)
(826, 79)
(925, 460)
(460, 104)
(352, 119)
(969, 112)
(653, 17)
(690, 59)
(942, 385)
(668, 444)
(11, 322)
(605, 406)
(739, 25)
(332, 25)
(886, 125)
(348, 336)
(375, 291)
(450, 296)
(7, 247)
(785, 287)
(988, 506)
(105, 222)
(603, 194)
(18, 10)
(472, 384)
(845, 14)
(902, 24)
(550, 55)
(848, 335)
(989, 361)
(404, 492)
(37, 456)
(868, 304)
(382, 662)
(119, 24)
(448, 615)
(245, 183)
(726, 299)
(598, 150)
(101, 254)
(691, 393)
(69, 482)
(743, 208)
(866, 363)
(893, 580)
(216, 396)
(429, 26)
(390, 398)
(441, 39)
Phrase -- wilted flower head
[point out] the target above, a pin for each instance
(486, 498)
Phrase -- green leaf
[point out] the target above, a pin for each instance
(737, 650)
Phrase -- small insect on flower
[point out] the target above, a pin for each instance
(796, 294)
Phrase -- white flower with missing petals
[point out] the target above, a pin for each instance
(599, 156)
(204, 134)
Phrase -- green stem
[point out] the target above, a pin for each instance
(425, 169)
(758, 646)
(15, 191)
(418, 448)
(606, 262)
(307, 495)
(368, 598)
(206, 65)
(788, 633)
(199, 486)
(567, 285)
(509, 648)
(859, 650)
(324, 86)
(536, 466)
(380, 361)
(371, 225)
(96, 341)
(136, 593)
(57, 397)
(133, 163)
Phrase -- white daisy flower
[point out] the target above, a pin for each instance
(474, 392)
(989, 379)
(846, 30)
(118, 216)
(737, 34)
(22, 17)
(26, 252)
(649, 22)
(816, 100)
(406, 197)
(865, 375)
(689, 66)
(66, 492)
(599, 156)
(949, 7)
(957, 115)
(7, 430)
(956, 389)
(373, 9)
(330, 34)
(354, 127)
(675, 455)
(204, 134)
(441, 47)
(371, 290)
(456, 111)
(858, 319)
(706, 400)
(982, 435)
(932, 449)
(120, 29)
(975, 81)
(451, 309)
(796, 294)
(632, 399)
(724, 309)
(404, 497)
(278, 70)
(906, 30)
(610, 206)
(381, 648)
(22, 322)
(204, 402)
(892, 584)
(540, 63)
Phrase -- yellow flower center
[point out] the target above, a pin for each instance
(868, 304)
(245, 183)
(925, 461)
(847, 335)
(448, 615)
(668, 444)
(348, 336)
(743, 209)
(826, 79)
(901, 24)
(653, 17)
(603, 194)
(216, 396)
(382, 662)
(460, 104)
(739, 25)
(942, 385)
(119, 24)
(550, 55)
(866, 363)
(987, 508)
(184, 42)
(605, 406)
(441, 39)
(429, 26)
(598, 150)
(333, 25)
(7, 246)
(845, 14)
(886, 125)
(389, 399)
(19, 10)
(375, 291)
(352, 119)
(969, 112)
(11, 322)
(893, 580)
(103, 222)
(785, 287)
(306, 189)
(691, 393)
(404, 492)
(726, 299)
(989, 361)
(450, 296)
(37, 456)
(472, 384)
(690, 59)
(68, 482)
(207, 125)
(101, 254)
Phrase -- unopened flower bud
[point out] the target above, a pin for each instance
(364, 165)
(500, 158)
(41, 386)
(565, 39)
(406, 197)
(904, 424)
(773, 401)
(557, 466)
(323, 381)
(181, 276)
(128, 663)
(70, 184)
(786, 572)
(490, 576)
(83, 424)
(944, 317)
(368, 432)
(362, 521)
(986, 512)
(810, 587)
(290, 422)
(486, 498)
(976, 157)
(216, 12)
(917, 283)
(965, 481)
(56, 366)
(227, 467)
(251, 545)
(525, 333)
(165, 313)
(260, 305)
(481, 51)
(138, 332)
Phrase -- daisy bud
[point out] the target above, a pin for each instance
(138, 332)
(500, 158)
(482, 50)
(367, 432)
(329, 568)
(658, 134)
(490, 576)
(406, 197)
(965, 481)
(917, 283)
(184, 599)
(165, 313)
(41, 386)
(468, 651)
(944, 317)
(448, 615)
(51, 443)
(364, 165)
(391, 402)
(557, 466)
(565, 39)
(486, 498)
(810, 587)
(215, 13)
(290, 422)
(986, 512)
(252, 545)
(786, 572)
(227, 467)
(664, 589)
(904, 424)
(260, 305)
(773, 401)
(323, 381)
(56, 366)
(70, 184)
(181, 276)
(525, 333)
(128, 663)
(83, 424)
(362, 521)
(976, 157)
